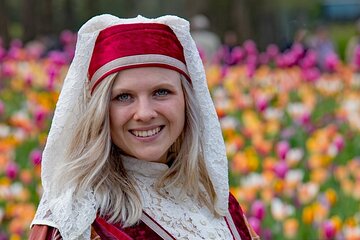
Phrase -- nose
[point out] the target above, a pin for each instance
(144, 110)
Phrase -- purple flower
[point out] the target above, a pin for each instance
(36, 156)
(281, 169)
(282, 148)
(311, 74)
(258, 210)
(12, 170)
(264, 58)
(261, 103)
(67, 37)
(309, 60)
(331, 62)
(272, 51)
(339, 142)
(250, 47)
(329, 230)
(39, 117)
(356, 60)
(255, 224)
(2, 108)
(237, 54)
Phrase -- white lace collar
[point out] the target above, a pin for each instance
(145, 168)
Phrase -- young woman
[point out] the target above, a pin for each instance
(135, 149)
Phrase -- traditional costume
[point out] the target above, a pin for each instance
(107, 44)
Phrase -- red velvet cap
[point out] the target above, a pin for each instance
(134, 45)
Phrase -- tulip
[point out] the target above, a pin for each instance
(328, 230)
(39, 117)
(339, 142)
(36, 156)
(261, 103)
(250, 47)
(331, 62)
(282, 148)
(258, 210)
(311, 74)
(272, 50)
(2, 108)
(12, 170)
(281, 169)
(255, 224)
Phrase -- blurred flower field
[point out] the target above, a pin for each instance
(292, 136)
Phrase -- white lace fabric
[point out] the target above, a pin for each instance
(74, 216)
(182, 218)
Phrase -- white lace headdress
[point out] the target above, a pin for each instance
(74, 216)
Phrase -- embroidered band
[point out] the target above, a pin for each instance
(134, 45)
(232, 227)
(151, 223)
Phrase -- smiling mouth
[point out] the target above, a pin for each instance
(147, 133)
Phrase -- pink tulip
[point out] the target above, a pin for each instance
(258, 210)
(255, 224)
(67, 37)
(2, 108)
(331, 62)
(309, 60)
(298, 50)
(281, 169)
(272, 50)
(8, 70)
(29, 80)
(39, 117)
(282, 148)
(263, 58)
(12, 170)
(329, 230)
(356, 60)
(2, 53)
(36, 156)
(250, 47)
(339, 142)
(311, 74)
(57, 57)
(280, 62)
(305, 118)
(250, 70)
(237, 54)
(261, 104)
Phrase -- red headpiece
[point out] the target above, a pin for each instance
(135, 45)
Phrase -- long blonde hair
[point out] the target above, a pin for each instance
(94, 162)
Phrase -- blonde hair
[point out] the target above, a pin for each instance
(94, 162)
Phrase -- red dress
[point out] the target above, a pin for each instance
(100, 229)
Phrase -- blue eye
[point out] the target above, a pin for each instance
(124, 97)
(162, 92)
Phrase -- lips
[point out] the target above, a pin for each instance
(146, 133)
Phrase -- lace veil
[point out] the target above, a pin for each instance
(73, 217)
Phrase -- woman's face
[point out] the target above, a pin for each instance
(147, 112)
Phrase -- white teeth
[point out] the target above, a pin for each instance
(147, 133)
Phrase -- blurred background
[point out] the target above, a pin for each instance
(285, 79)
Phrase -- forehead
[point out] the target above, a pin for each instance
(145, 77)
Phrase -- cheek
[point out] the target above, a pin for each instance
(117, 117)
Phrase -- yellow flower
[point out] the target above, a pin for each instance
(331, 196)
(290, 227)
(337, 222)
(319, 175)
(308, 215)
